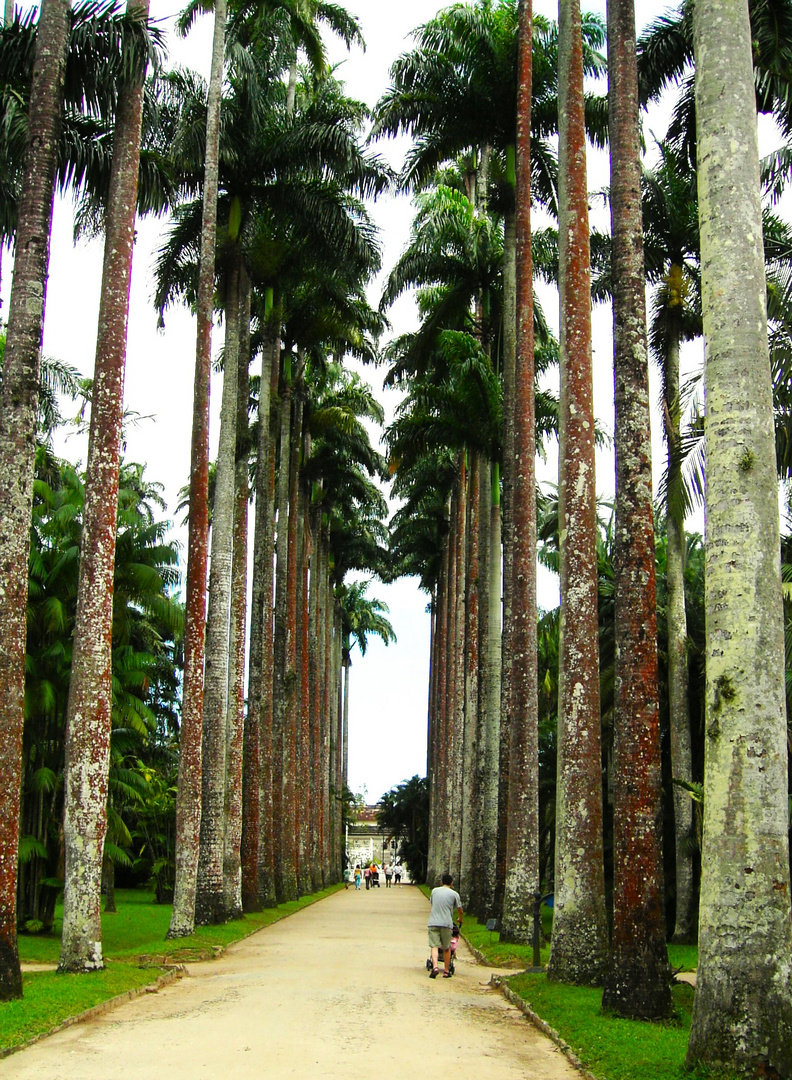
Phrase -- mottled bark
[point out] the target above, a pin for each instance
(235, 719)
(490, 706)
(313, 795)
(470, 659)
(190, 782)
(290, 833)
(456, 743)
(580, 932)
(210, 899)
(88, 715)
(638, 981)
(305, 864)
(437, 715)
(678, 705)
(279, 645)
(522, 836)
(742, 1016)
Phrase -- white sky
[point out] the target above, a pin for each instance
(389, 687)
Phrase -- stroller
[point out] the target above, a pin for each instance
(454, 943)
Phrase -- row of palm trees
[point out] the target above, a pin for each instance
(466, 417)
(268, 226)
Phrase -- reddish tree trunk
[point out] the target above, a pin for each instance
(638, 982)
(291, 832)
(306, 868)
(580, 931)
(522, 836)
(18, 444)
(88, 717)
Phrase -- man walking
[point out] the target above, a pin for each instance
(444, 902)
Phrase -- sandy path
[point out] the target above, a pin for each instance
(337, 990)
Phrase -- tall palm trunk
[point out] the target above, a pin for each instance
(470, 653)
(88, 716)
(18, 447)
(437, 754)
(306, 871)
(678, 705)
(522, 837)
(314, 646)
(457, 741)
(742, 1015)
(281, 843)
(188, 795)
(291, 809)
(580, 931)
(637, 983)
(235, 722)
(210, 900)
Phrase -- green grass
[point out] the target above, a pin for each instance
(610, 1047)
(138, 930)
(133, 942)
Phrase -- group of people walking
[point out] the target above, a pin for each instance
(370, 875)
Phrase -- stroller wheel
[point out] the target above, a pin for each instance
(428, 963)
(452, 968)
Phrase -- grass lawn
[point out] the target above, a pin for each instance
(133, 942)
(612, 1048)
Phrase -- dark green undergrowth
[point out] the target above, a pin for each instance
(134, 944)
(610, 1047)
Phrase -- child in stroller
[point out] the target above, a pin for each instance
(454, 943)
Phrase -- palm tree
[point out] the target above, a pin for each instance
(90, 690)
(580, 934)
(745, 849)
(188, 798)
(17, 441)
(637, 983)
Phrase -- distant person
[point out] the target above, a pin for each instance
(445, 901)
(367, 877)
(375, 875)
(388, 875)
(347, 877)
(397, 875)
(357, 877)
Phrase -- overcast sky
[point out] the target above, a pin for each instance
(389, 687)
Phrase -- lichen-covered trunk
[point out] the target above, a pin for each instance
(509, 360)
(190, 782)
(456, 742)
(18, 409)
(315, 605)
(470, 655)
(280, 684)
(522, 828)
(742, 1016)
(235, 722)
(88, 715)
(678, 705)
(210, 898)
(490, 705)
(437, 713)
(637, 983)
(290, 833)
(256, 880)
(580, 931)
(306, 869)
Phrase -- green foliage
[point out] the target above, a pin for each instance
(404, 812)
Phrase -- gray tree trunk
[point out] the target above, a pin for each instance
(678, 706)
(88, 716)
(742, 1016)
(190, 782)
(210, 901)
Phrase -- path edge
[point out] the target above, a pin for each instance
(174, 972)
(165, 979)
(500, 982)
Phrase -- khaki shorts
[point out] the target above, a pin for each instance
(440, 937)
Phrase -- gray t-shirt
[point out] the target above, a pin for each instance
(444, 904)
